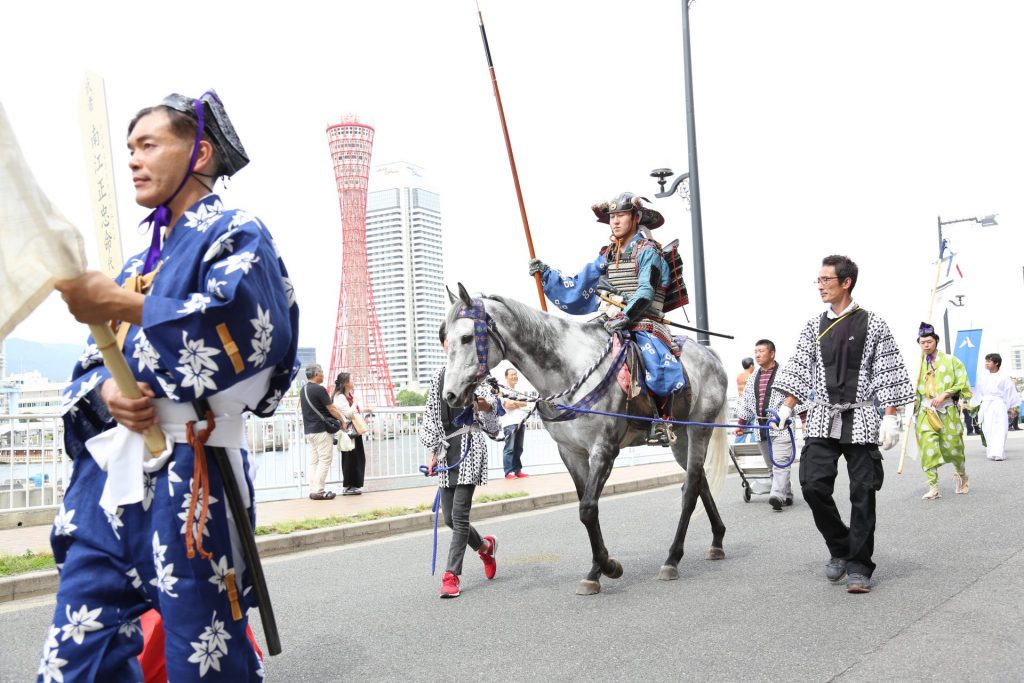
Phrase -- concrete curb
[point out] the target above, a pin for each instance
(45, 582)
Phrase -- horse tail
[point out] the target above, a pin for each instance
(715, 461)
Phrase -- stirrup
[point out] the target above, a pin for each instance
(660, 435)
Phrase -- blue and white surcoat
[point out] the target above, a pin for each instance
(640, 273)
(219, 323)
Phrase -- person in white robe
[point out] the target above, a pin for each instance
(994, 396)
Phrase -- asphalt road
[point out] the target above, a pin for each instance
(945, 605)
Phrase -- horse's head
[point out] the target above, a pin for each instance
(474, 347)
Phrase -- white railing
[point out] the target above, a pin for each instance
(34, 470)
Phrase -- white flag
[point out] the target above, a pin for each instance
(38, 246)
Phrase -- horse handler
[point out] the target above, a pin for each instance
(458, 476)
(848, 356)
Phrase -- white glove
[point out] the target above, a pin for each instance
(784, 412)
(889, 432)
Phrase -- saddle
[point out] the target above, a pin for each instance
(629, 381)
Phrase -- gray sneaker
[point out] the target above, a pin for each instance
(835, 570)
(858, 583)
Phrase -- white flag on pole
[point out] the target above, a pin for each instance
(38, 246)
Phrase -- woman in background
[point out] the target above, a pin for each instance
(353, 462)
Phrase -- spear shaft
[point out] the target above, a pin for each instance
(511, 157)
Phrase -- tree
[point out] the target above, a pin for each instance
(408, 398)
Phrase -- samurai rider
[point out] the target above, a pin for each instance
(633, 268)
(207, 313)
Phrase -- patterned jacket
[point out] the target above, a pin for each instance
(747, 408)
(473, 469)
(882, 375)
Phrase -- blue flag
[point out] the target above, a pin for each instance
(968, 343)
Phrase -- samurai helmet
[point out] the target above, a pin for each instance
(627, 201)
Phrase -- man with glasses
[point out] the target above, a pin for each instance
(846, 356)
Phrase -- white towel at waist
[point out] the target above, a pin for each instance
(123, 455)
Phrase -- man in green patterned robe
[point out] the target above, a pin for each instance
(941, 383)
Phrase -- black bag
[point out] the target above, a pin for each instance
(333, 424)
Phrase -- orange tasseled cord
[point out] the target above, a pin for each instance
(200, 482)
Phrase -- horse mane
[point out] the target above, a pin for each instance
(547, 331)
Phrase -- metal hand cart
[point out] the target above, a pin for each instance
(756, 477)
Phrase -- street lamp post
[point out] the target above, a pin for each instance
(699, 283)
(985, 221)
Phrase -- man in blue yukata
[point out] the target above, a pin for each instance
(206, 314)
(633, 267)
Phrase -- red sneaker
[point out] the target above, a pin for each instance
(490, 564)
(450, 586)
(521, 475)
(510, 475)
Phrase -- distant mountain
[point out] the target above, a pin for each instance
(54, 361)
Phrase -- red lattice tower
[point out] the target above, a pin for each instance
(358, 347)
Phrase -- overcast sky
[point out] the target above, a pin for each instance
(822, 127)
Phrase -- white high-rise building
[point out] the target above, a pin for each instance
(406, 263)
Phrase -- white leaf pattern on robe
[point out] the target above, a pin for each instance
(242, 262)
(62, 525)
(225, 242)
(196, 302)
(164, 579)
(215, 287)
(50, 664)
(80, 622)
(114, 520)
(145, 353)
(211, 646)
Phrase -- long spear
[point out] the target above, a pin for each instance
(511, 157)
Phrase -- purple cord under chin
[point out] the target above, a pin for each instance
(160, 217)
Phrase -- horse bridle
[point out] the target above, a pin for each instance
(483, 328)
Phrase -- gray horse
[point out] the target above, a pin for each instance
(554, 353)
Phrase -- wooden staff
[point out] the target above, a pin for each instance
(920, 365)
(511, 157)
(92, 116)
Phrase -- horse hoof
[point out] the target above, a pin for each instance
(716, 554)
(668, 573)
(616, 570)
(588, 587)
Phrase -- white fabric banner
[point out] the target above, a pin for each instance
(38, 246)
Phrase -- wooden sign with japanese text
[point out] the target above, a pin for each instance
(92, 116)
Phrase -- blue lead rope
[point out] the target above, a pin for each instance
(436, 509)
(789, 426)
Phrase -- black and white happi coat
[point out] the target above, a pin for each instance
(753, 411)
(473, 469)
(882, 375)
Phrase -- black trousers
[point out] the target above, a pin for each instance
(819, 463)
(353, 465)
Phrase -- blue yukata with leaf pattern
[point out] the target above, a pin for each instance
(220, 323)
